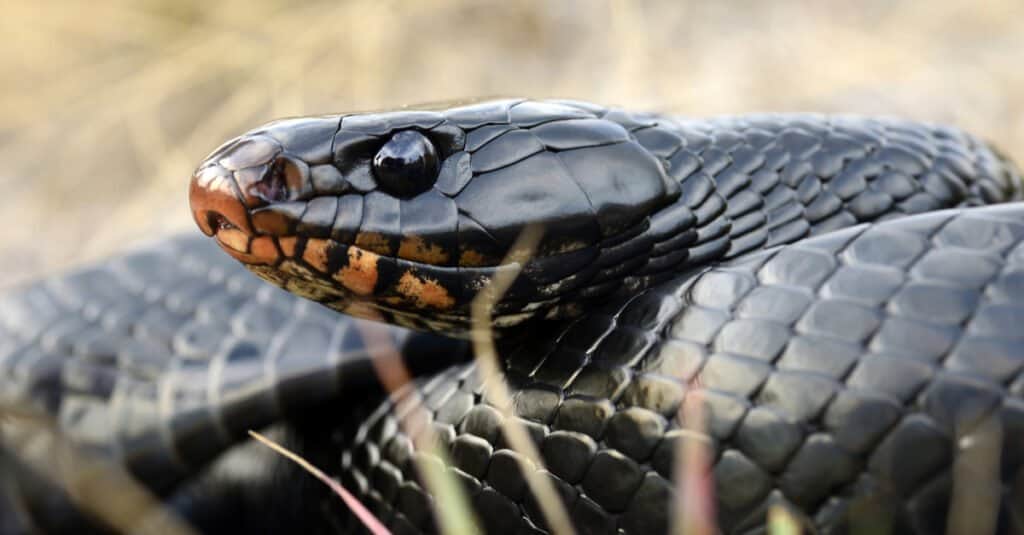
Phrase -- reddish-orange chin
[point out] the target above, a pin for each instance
(359, 276)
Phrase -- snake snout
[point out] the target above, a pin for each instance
(241, 175)
(218, 211)
(215, 202)
(253, 189)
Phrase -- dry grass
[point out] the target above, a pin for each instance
(694, 507)
(454, 515)
(107, 106)
(372, 524)
(34, 438)
(489, 365)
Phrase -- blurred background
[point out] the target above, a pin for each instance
(107, 106)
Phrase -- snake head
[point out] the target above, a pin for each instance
(406, 215)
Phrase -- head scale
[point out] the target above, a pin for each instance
(404, 216)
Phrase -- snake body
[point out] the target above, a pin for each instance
(831, 289)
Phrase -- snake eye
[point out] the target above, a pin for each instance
(406, 165)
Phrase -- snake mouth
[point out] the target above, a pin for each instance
(345, 275)
(226, 233)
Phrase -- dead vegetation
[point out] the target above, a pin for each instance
(107, 106)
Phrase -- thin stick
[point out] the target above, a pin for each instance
(543, 489)
(362, 513)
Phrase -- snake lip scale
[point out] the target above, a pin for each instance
(846, 291)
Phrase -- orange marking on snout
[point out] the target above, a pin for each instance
(271, 222)
(250, 260)
(211, 191)
(263, 248)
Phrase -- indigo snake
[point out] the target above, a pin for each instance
(843, 293)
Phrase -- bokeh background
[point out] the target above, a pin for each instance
(105, 107)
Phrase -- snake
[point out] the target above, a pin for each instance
(838, 298)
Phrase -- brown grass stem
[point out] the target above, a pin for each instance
(362, 513)
(486, 354)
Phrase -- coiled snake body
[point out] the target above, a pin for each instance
(831, 286)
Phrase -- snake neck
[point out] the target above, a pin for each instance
(760, 181)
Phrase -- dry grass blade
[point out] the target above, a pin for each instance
(974, 507)
(362, 513)
(88, 480)
(544, 491)
(782, 522)
(454, 515)
(694, 508)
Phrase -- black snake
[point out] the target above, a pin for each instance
(832, 288)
